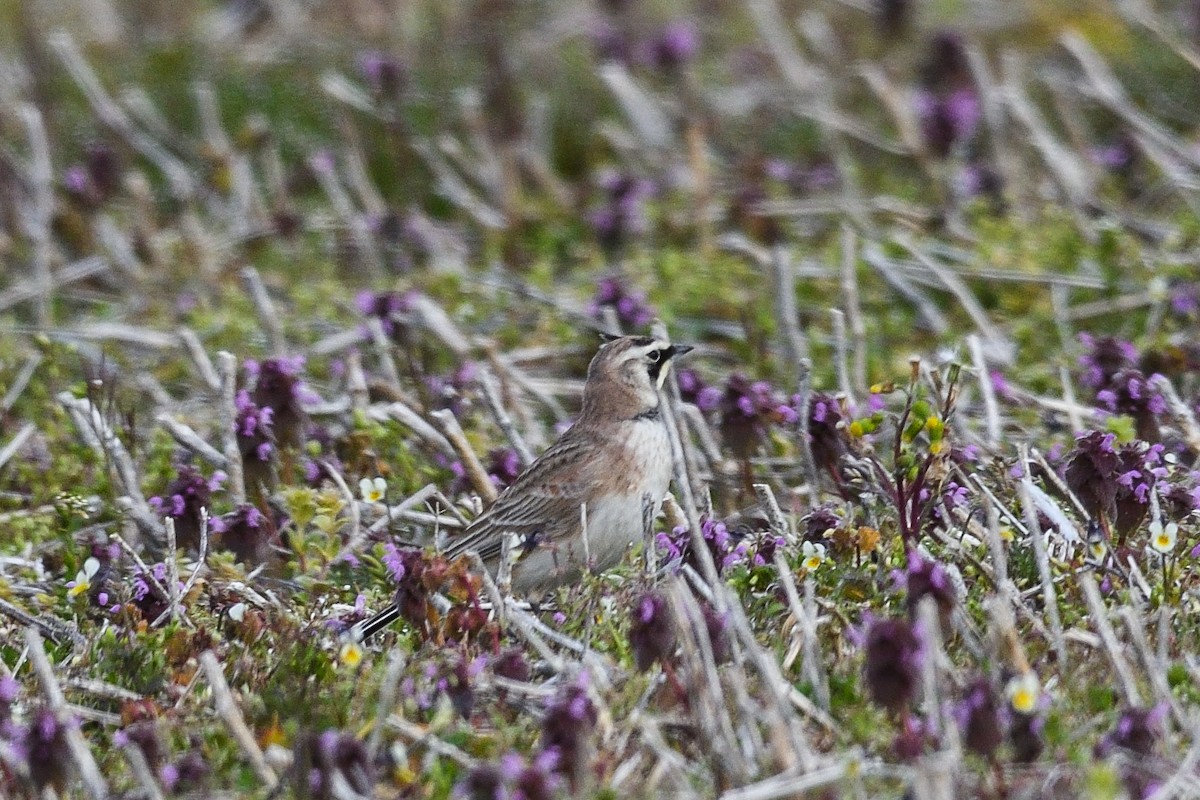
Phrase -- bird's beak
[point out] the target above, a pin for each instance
(670, 354)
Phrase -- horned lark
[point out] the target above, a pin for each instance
(614, 463)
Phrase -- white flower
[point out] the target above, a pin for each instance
(83, 579)
(1098, 548)
(1023, 692)
(373, 490)
(814, 555)
(1162, 539)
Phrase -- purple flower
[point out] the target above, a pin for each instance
(947, 120)
(632, 310)
(386, 75)
(674, 46)
(246, 533)
(384, 306)
(978, 714)
(924, 577)
(566, 730)
(893, 660)
(323, 759)
(652, 631)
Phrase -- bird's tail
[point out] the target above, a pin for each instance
(369, 628)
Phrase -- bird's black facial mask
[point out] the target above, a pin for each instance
(659, 359)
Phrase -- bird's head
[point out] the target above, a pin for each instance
(625, 375)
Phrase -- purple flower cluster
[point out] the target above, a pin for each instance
(652, 631)
(324, 759)
(981, 718)
(384, 306)
(630, 305)
(947, 120)
(450, 391)
(386, 74)
(42, 745)
(826, 431)
(566, 731)
(183, 500)
(925, 577)
(1114, 482)
(148, 591)
(621, 213)
(513, 779)
(726, 549)
(893, 663)
(693, 389)
(1103, 358)
(675, 45)
(278, 386)
(1137, 734)
(255, 428)
(246, 532)
(97, 178)
(748, 411)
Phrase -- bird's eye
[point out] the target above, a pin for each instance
(654, 355)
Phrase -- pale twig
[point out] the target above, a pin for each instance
(1091, 593)
(783, 288)
(991, 411)
(85, 764)
(347, 496)
(20, 382)
(227, 418)
(1181, 411)
(928, 310)
(234, 722)
(32, 288)
(264, 308)
(37, 213)
(704, 683)
(141, 771)
(53, 628)
(184, 435)
(388, 691)
(383, 352)
(111, 115)
(480, 480)
(195, 350)
(1155, 669)
(1049, 597)
(424, 735)
(413, 421)
(841, 353)
(491, 395)
(805, 622)
(16, 442)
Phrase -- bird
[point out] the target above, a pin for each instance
(615, 462)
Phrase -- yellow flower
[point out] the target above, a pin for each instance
(1023, 692)
(814, 555)
(83, 579)
(1008, 534)
(351, 654)
(372, 490)
(1162, 539)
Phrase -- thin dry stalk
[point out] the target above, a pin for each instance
(234, 722)
(491, 395)
(991, 410)
(1049, 596)
(16, 442)
(413, 421)
(227, 419)
(804, 614)
(195, 350)
(264, 308)
(389, 690)
(85, 764)
(1155, 668)
(140, 768)
(1099, 614)
(475, 471)
(188, 438)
